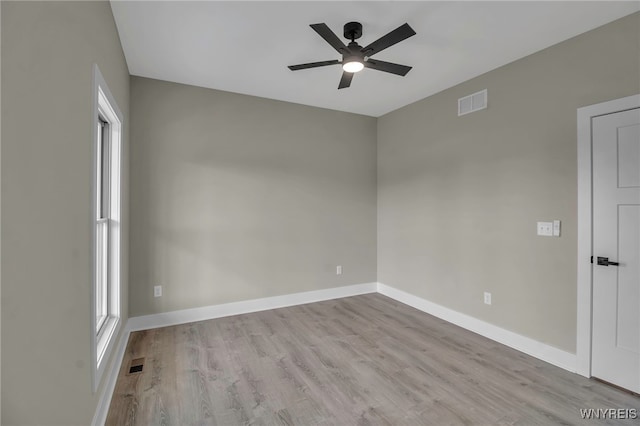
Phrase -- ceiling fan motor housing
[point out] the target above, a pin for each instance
(355, 53)
(353, 30)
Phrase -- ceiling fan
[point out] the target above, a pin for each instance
(356, 57)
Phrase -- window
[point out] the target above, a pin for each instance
(102, 225)
(105, 302)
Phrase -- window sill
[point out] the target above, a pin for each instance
(105, 340)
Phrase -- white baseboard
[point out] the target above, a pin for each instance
(516, 341)
(104, 397)
(210, 312)
(550, 354)
(165, 319)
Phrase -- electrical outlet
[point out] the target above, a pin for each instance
(157, 291)
(545, 229)
(339, 270)
(487, 298)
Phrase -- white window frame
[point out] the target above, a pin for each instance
(103, 335)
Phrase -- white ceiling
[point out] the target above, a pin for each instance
(245, 47)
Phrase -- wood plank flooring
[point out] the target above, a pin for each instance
(363, 360)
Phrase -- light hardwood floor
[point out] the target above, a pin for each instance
(363, 360)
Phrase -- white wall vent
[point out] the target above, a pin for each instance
(472, 103)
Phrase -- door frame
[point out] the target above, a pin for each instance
(585, 223)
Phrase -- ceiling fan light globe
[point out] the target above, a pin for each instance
(353, 66)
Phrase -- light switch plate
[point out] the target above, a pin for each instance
(556, 228)
(545, 229)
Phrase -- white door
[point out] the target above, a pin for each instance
(616, 249)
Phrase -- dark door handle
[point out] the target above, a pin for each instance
(604, 261)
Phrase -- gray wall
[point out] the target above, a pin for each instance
(235, 197)
(48, 50)
(0, 216)
(459, 197)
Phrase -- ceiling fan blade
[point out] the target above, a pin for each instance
(396, 36)
(313, 65)
(397, 69)
(345, 81)
(330, 37)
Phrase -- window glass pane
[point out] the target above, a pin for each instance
(102, 272)
(103, 167)
(102, 225)
(99, 171)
